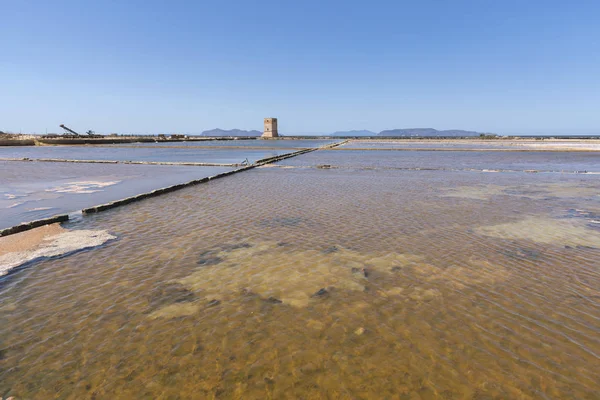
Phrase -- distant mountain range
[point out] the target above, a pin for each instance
(427, 132)
(410, 132)
(231, 132)
(354, 133)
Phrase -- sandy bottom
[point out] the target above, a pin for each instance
(221, 297)
(46, 241)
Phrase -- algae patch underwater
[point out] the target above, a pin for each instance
(297, 277)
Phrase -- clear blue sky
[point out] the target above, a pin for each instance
(509, 66)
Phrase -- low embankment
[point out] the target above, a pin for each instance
(30, 140)
(17, 142)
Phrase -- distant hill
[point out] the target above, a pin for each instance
(354, 133)
(231, 132)
(392, 132)
(427, 132)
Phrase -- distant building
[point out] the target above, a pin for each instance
(270, 128)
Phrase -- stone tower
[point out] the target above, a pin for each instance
(270, 128)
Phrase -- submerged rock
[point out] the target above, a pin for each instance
(273, 300)
(321, 293)
(208, 258)
(235, 246)
(169, 294)
(208, 261)
(332, 249)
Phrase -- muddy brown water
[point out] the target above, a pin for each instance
(321, 284)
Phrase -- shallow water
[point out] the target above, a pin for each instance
(538, 161)
(36, 190)
(138, 153)
(248, 143)
(426, 144)
(473, 144)
(322, 283)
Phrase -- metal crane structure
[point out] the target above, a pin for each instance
(71, 133)
(69, 130)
